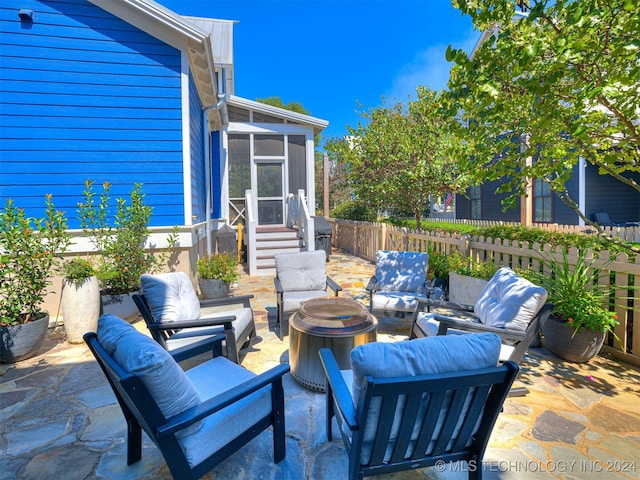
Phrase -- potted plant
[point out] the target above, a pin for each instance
(30, 252)
(581, 318)
(215, 273)
(467, 278)
(120, 241)
(80, 299)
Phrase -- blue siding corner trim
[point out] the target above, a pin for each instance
(86, 95)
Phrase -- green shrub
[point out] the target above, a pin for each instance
(218, 266)
(354, 210)
(78, 270)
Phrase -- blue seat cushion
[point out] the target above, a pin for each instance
(401, 271)
(212, 378)
(142, 356)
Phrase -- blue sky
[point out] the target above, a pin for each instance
(334, 55)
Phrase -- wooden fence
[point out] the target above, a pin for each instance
(364, 239)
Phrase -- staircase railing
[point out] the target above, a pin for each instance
(250, 234)
(297, 215)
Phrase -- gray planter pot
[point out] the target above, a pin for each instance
(80, 307)
(580, 348)
(213, 288)
(19, 342)
(463, 289)
(122, 306)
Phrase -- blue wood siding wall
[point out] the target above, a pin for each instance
(86, 95)
(216, 179)
(198, 156)
(606, 194)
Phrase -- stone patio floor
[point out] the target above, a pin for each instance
(60, 420)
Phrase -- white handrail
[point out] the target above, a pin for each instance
(250, 219)
(305, 223)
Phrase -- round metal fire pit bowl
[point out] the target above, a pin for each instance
(329, 322)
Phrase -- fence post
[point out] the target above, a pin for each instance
(384, 236)
(466, 245)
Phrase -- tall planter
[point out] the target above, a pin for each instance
(80, 307)
(579, 348)
(19, 342)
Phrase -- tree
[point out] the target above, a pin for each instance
(401, 156)
(543, 90)
(291, 106)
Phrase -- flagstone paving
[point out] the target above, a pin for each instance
(60, 420)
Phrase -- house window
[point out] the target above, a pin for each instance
(475, 203)
(541, 201)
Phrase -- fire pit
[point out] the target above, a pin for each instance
(336, 323)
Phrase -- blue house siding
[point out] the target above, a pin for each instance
(86, 95)
(198, 157)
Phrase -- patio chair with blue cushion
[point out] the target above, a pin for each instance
(400, 279)
(408, 405)
(301, 276)
(509, 306)
(176, 317)
(196, 418)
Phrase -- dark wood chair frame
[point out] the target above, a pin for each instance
(491, 387)
(234, 341)
(522, 340)
(141, 411)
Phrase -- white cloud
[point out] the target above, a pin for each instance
(428, 67)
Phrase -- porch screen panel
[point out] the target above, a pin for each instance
(297, 163)
(268, 146)
(239, 160)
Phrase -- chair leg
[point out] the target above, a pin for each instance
(330, 414)
(279, 439)
(230, 345)
(134, 441)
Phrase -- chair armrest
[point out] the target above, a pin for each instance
(211, 406)
(212, 344)
(431, 302)
(278, 285)
(371, 286)
(197, 322)
(339, 388)
(245, 300)
(475, 327)
(333, 285)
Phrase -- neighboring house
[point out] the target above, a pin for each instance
(593, 193)
(125, 91)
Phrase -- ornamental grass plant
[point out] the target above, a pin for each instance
(578, 298)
